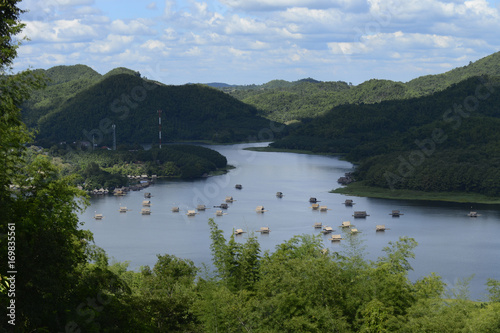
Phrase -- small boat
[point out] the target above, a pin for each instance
(98, 216)
(191, 213)
(396, 213)
(238, 186)
(201, 207)
(315, 206)
(219, 213)
(264, 230)
(279, 194)
(239, 232)
(223, 206)
(318, 225)
(348, 202)
(147, 195)
(360, 214)
(175, 209)
(335, 238)
(473, 214)
(346, 224)
(123, 209)
(229, 199)
(323, 208)
(260, 209)
(380, 227)
(327, 230)
(146, 203)
(313, 200)
(355, 231)
(146, 211)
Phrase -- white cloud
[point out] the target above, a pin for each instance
(132, 27)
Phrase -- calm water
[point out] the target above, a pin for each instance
(450, 243)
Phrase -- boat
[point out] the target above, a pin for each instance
(98, 216)
(146, 203)
(396, 213)
(147, 195)
(123, 209)
(323, 208)
(279, 194)
(360, 214)
(229, 199)
(146, 211)
(239, 232)
(315, 206)
(335, 238)
(201, 207)
(260, 209)
(313, 200)
(219, 213)
(175, 209)
(327, 230)
(318, 225)
(473, 214)
(380, 227)
(191, 213)
(238, 186)
(264, 230)
(346, 224)
(348, 202)
(355, 231)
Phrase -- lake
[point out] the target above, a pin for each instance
(451, 244)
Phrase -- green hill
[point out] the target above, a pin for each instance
(447, 141)
(190, 112)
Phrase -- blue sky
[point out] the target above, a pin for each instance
(255, 41)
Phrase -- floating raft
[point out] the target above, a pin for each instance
(380, 227)
(335, 238)
(360, 214)
(264, 230)
(220, 213)
(191, 213)
(318, 225)
(175, 209)
(348, 202)
(355, 231)
(201, 207)
(323, 208)
(146, 203)
(147, 195)
(229, 199)
(260, 209)
(327, 230)
(315, 206)
(346, 224)
(146, 211)
(123, 209)
(396, 213)
(98, 216)
(239, 232)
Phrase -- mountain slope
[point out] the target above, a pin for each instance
(190, 112)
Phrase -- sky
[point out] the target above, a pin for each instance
(255, 41)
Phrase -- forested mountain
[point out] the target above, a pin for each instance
(447, 141)
(74, 110)
(287, 101)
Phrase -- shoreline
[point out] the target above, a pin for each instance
(282, 150)
(360, 190)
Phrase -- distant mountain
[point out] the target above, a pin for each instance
(219, 85)
(288, 101)
(189, 112)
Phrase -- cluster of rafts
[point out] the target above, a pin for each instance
(146, 210)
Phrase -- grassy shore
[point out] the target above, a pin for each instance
(361, 190)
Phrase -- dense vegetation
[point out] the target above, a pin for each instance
(287, 101)
(80, 105)
(447, 141)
